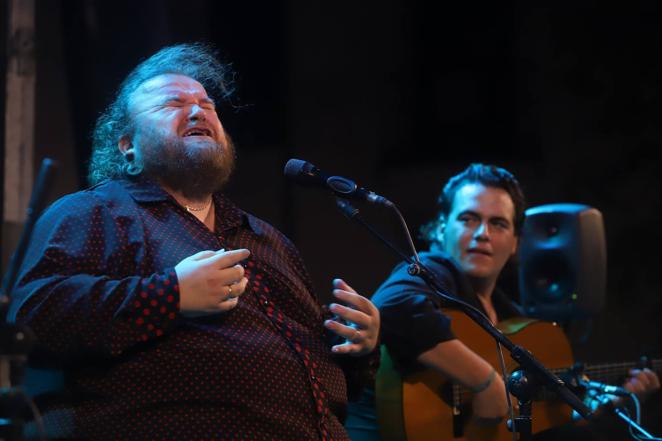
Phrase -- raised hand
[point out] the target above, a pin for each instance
(211, 281)
(357, 323)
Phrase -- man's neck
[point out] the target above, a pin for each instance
(483, 289)
(196, 201)
(201, 207)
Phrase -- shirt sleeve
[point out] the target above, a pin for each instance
(80, 288)
(412, 322)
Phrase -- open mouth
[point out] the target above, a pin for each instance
(197, 131)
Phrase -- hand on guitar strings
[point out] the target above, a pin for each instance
(642, 382)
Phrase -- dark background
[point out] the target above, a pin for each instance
(400, 95)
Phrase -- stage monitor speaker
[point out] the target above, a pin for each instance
(563, 262)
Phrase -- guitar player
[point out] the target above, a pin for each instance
(481, 212)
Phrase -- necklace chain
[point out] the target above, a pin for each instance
(192, 209)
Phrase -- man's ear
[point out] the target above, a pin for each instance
(125, 145)
(515, 245)
(439, 231)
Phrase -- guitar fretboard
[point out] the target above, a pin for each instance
(610, 373)
(613, 372)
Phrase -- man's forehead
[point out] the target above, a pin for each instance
(169, 83)
(477, 197)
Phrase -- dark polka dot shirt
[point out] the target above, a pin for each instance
(99, 290)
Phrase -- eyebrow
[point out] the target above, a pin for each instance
(179, 99)
(476, 214)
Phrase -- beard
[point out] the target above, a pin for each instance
(196, 168)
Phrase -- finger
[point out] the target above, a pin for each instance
(645, 375)
(230, 275)
(228, 293)
(355, 301)
(640, 389)
(341, 284)
(214, 307)
(222, 303)
(634, 383)
(348, 348)
(644, 380)
(235, 290)
(224, 276)
(349, 333)
(655, 380)
(228, 304)
(649, 373)
(202, 255)
(630, 386)
(652, 381)
(225, 259)
(360, 319)
(240, 287)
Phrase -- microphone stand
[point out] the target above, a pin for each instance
(16, 341)
(622, 415)
(525, 381)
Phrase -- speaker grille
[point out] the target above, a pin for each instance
(562, 259)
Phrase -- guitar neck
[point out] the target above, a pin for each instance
(613, 372)
(610, 373)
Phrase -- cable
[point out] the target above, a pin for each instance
(504, 375)
(39, 421)
(606, 400)
(637, 407)
(637, 414)
(407, 233)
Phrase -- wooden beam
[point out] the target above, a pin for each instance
(19, 110)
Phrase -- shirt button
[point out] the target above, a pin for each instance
(314, 378)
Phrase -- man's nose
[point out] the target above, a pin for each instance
(482, 232)
(197, 113)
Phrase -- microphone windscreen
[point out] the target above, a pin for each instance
(294, 168)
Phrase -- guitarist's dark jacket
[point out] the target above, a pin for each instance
(412, 320)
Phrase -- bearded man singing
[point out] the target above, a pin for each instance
(172, 313)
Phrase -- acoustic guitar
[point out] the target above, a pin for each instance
(426, 406)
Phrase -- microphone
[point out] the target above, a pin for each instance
(307, 174)
(603, 388)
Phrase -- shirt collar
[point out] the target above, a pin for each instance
(230, 216)
(144, 190)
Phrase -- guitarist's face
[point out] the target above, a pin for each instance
(479, 232)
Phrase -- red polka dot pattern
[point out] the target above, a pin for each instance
(99, 290)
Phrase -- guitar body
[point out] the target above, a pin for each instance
(421, 407)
